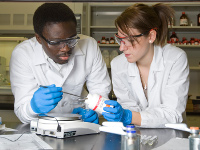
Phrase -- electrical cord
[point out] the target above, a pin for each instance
(58, 127)
(17, 138)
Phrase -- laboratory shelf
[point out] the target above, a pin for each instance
(13, 38)
(102, 27)
(195, 68)
(184, 27)
(187, 46)
(108, 45)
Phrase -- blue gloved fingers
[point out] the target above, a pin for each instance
(114, 110)
(90, 118)
(107, 118)
(89, 113)
(50, 89)
(112, 116)
(77, 110)
(96, 121)
(111, 110)
(47, 109)
(112, 102)
(52, 95)
(51, 101)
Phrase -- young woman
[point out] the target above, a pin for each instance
(150, 79)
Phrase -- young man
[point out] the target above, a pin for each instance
(60, 60)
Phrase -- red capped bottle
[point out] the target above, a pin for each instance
(174, 38)
(183, 20)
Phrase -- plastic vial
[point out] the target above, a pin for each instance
(194, 140)
(96, 102)
(183, 20)
(132, 140)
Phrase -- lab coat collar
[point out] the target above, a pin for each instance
(158, 60)
(132, 69)
(39, 52)
(156, 65)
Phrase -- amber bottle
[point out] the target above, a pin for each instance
(183, 20)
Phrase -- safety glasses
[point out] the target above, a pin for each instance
(126, 40)
(59, 44)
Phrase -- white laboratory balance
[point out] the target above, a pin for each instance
(62, 126)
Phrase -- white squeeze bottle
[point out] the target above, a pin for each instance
(96, 102)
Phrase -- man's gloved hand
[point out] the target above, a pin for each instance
(88, 115)
(117, 113)
(46, 98)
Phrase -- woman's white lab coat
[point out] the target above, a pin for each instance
(168, 85)
(29, 69)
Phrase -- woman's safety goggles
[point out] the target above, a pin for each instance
(126, 40)
(59, 44)
(130, 42)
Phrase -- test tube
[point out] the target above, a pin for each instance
(152, 140)
(146, 139)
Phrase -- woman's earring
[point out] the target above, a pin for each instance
(150, 41)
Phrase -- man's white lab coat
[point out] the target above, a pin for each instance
(167, 88)
(29, 69)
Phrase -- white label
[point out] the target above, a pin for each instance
(184, 22)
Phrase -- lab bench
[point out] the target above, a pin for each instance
(101, 141)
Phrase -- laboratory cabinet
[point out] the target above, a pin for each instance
(17, 18)
(101, 19)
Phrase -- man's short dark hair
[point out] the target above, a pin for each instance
(52, 13)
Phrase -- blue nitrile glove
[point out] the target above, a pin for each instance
(46, 98)
(88, 115)
(117, 113)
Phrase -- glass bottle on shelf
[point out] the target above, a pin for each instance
(103, 40)
(107, 41)
(183, 20)
(112, 41)
(192, 41)
(198, 19)
(196, 42)
(174, 38)
(172, 22)
(184, 41)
